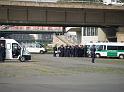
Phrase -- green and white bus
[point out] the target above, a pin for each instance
(109, 49)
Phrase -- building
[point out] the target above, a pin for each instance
(97, 34)
(92, 34)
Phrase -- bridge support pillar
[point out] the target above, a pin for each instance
(111, 33)
(120, 34)
(63, 30)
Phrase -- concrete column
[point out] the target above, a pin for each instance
(120, 34)
(111, 33)
(101, 35)
(63, 30)
(82, 29)
(78, 37)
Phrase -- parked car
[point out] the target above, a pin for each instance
(36, 48)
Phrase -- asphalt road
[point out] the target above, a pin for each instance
(94, 81)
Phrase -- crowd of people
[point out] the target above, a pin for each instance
(70, 51)
(74, 51)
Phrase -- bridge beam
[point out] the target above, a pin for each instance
(55, 16)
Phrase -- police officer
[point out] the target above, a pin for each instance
(85, 51)
(93, 49)
(61, 51)
(2, 52)
(55, 50)
(76, 51)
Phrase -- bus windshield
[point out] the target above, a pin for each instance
(99, 47)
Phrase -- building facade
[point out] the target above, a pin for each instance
(92, 34)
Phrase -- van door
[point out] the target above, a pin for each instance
(112, 51)
(3, 50)
(16, 50)
(8, 51)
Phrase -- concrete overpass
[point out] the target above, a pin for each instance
(60, 14)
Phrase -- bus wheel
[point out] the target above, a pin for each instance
(121, 56)
(97, 55)
(22, 59)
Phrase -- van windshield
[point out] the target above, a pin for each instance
(39, 45)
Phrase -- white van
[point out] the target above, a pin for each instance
(13, 50)
(35, 48)
(113, 2)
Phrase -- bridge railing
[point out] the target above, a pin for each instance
(71, 1)
(81, 1)
(32, 0)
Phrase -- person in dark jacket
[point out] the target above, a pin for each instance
(55, 50)
(61, 51)
(93, 49)
(66, 51)
(2, 52)
(76, 51)
(85, 51)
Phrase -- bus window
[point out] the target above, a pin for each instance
(120, 47)
(112, 47)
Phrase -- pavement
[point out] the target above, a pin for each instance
(88, 82)
(81, 82)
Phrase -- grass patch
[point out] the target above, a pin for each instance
(30, 69)
(94, 69)
(110, 61)
(42, 68)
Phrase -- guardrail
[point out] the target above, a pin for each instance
(80, 1)
(57, 1)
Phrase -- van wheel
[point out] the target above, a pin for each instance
(41, 52)
(121, 56)
(97, 55)
(22, 59)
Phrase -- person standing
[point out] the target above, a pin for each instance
(61, 51)
(55, 50)
(93, 49)
(85, 51)
(2, 52)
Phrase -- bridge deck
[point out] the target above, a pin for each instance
(63, 5)
(60, 14)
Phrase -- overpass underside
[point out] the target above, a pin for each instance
(60, 16)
